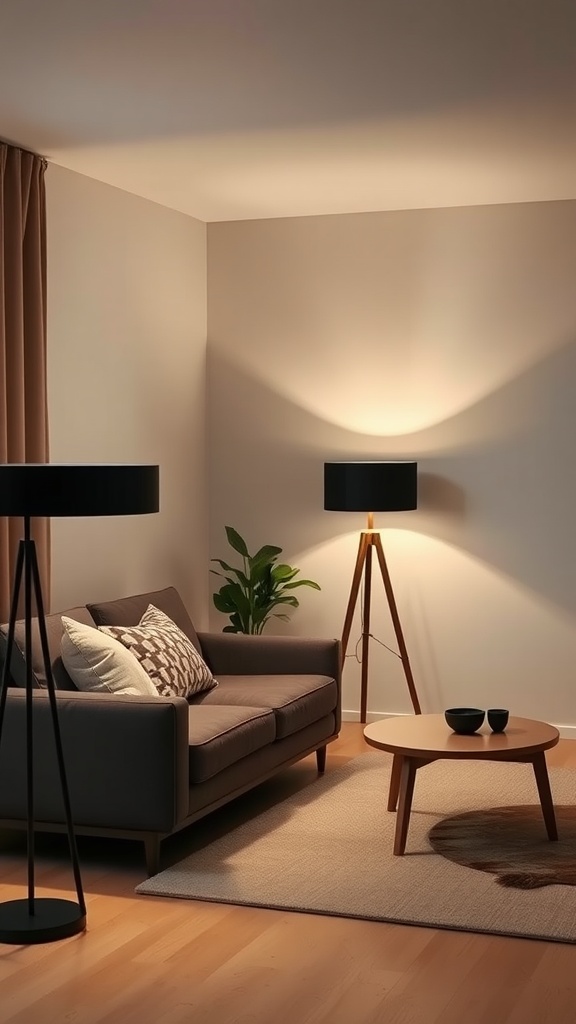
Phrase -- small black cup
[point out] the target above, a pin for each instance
(497, 719)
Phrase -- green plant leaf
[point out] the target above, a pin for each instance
(223, 565)
(235, 593)
(236, 541)
(223, 603)
(262, 562)
(240, 576)
(259, 572)
(284, 572)
(232, 600)
(285, 599)
(302, 583)
(267, 553)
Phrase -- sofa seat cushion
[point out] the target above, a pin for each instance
(296, 700)
(220, 736)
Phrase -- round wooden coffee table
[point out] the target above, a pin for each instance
(417, 740)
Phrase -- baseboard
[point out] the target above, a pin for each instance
(372, 716)
(567, 732)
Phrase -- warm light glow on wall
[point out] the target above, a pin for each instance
(391, 402)
(389, 324)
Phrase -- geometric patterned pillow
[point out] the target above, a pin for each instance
(165, 653)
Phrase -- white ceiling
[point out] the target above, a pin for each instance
(232, 109)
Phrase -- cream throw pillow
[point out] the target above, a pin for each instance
(101, 664)
(166, 653)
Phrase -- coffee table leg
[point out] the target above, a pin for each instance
(395, 782)
(406, 790)
(543, 783)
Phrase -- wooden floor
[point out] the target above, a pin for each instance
(148, 960)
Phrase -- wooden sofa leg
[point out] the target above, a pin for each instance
(321, 758)
(152, 850)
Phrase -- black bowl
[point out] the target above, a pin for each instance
(464, 720)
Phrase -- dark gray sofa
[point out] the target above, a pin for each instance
(146, 767)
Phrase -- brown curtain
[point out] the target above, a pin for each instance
(23, 402)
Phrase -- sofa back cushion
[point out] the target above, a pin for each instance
(62, 680)
(128, 611)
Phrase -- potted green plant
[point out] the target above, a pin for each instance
(251, 593)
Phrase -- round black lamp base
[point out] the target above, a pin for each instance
(51, 920)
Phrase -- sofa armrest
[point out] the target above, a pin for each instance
(241, 654)
(126, 759)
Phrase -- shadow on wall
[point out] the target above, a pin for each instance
(496, 480)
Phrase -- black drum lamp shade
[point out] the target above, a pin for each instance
(28, 490)
(370, 486)
(78, 490)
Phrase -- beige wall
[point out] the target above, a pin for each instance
(127, 351)
(443, 335)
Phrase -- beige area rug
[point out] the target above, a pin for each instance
(328, 850)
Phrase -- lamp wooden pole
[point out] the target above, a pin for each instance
(369, 539)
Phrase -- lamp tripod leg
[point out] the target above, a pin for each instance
(363, 568)
(11, 630)
(56, 727)
(366, 630)
(29, 714)
(397, 626)
(356, 579)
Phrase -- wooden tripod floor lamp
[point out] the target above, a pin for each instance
(28, 490)
(372, 487)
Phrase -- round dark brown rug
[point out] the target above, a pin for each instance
(511, 842)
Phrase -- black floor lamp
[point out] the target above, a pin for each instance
(372, 487)
(29, 490)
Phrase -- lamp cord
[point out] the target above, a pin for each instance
(355, 654)
(357, 657)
